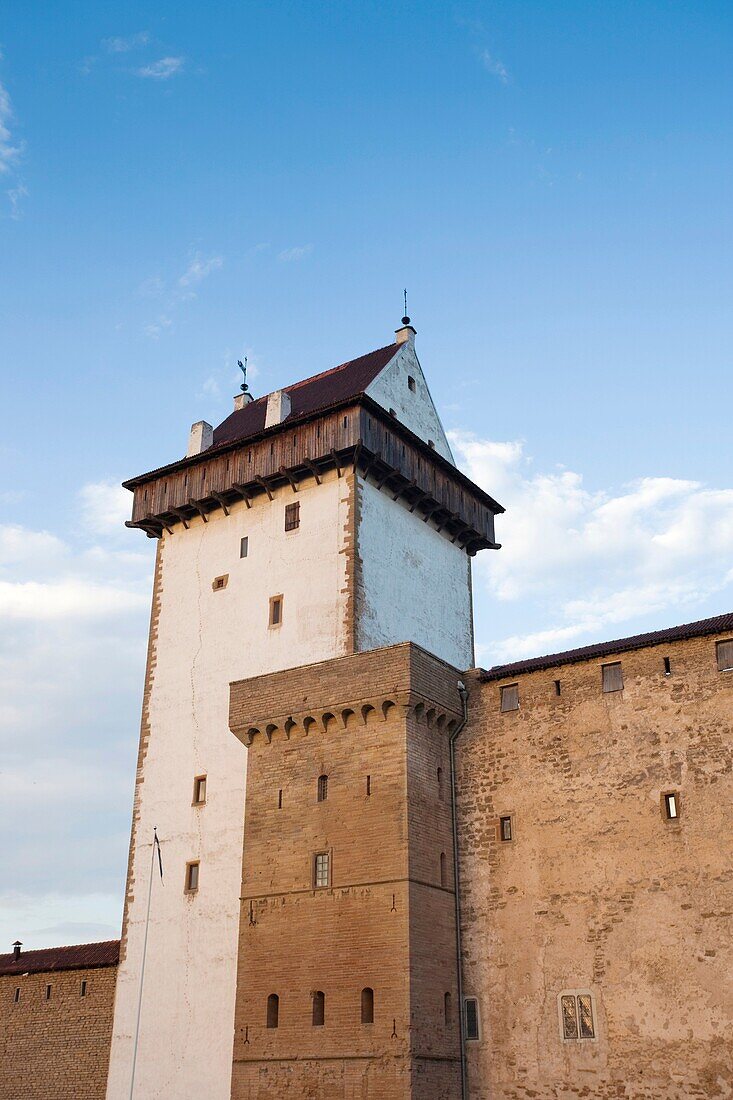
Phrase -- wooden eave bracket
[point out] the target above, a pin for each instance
(220, 499)
(181, 515)
(261, 481)
(289, 476)
(310, 465)
(243, 492)
(198, 506)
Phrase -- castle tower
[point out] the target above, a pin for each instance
(317, 523)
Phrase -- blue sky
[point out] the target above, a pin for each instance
(184, 184)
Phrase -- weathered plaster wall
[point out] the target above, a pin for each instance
(414, 409)
(56, 1048)
(414, 585)
(205, 639)
(598, 891)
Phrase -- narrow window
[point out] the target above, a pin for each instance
(280, 799)
(322, 869)
(724, 653)
(192, 877)
(505, 827)
(393, 413)
(443, 870)
(510, 697)
(322, 788)
(220, 582)
(411, 383)
(369, 786)
(83, 988)
(612, 677)
(292, 516)
(16, 997)
(671, 805)
(276, 610)
(48, 992)
(273, 1010)
(367, 1006)
(431, 445)
(199, 790)
(558, 690)
(440, 784)
(471, 1021)
(319, 1008)
(667, 667)
(346, 421)
(569, 1017)
(244, 546)
(447, 1010)
(576, 1016)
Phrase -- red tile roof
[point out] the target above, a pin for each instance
(83, 956)
(311, 395)
(719, 624)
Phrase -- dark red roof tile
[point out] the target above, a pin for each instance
(719, 624)
(83, 956)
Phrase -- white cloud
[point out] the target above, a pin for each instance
(155, 329)
(199, 268)
(494, 66)
(105, 507)
(124, 45)
(9, 152)
(589, 560)
(297, 253)
(163, 69)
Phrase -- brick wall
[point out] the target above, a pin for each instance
(598, 891)
(58, 1048)
(385, 923)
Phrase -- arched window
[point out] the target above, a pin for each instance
(447, 1010)
(440, 784)
(443, 870)
(367, 1006)
(322, 788)
(319, 1009)
(273, 1009)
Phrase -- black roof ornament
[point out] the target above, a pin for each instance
(405, 319)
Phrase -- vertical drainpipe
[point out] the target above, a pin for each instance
(456, 883)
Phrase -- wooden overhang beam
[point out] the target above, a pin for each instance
(244, 493)
(402, 490)
(263, 482)
(289, 476)
(181, 515)
(198, 506)
(422, 495)
(310, 465)
(336, 461)
(221, 501)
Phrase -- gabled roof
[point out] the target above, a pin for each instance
(82, 956)
(311, 395)
(719, 624)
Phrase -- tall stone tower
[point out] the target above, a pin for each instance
(319, 523)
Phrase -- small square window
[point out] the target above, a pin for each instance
(612, 677)
(292, 516)
(199, 790)
(322, 870)
(724, 654)
(671, 805)
(505, 828)
(244, 546)
(220, 582)
(276, 610)
(510, 697)
(192, 877)
(471, 1019)
(411, 383)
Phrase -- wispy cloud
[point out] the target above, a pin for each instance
(199, 268)
(288, 255)
(494, 66)
(176, 290)
(155, 329)
(163, 69)
(587, 561)
(119, 44)
(9, 152)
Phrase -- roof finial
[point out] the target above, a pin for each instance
(405, 319)
(243, 368)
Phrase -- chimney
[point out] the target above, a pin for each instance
(406, 333)
(16, 949)
(200, 438)
(242, 399)
(278, 408)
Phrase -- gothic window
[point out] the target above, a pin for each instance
(322, 869)
(510, 697)
(471, 1019)
(576, 1015)
(724, 653)
(367, 1006)
(273, 1010)
(322, 788)
(319, 1008)
(612, 677)
(292, 516)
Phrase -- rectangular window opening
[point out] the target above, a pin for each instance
(16, 996)
(724, 654)
(576, 1016)
(192, 877)
(470, 1017)
(219, 582)
(83, 988)
(612, 677)
(411, 383)
(368, 785)
(510, 698)
(48, 992)
(199, 790)
(671, 805)
(292, 516)
(558, 688)
(244, 546)
(276, 610)
(505, 827)
(280, 799)
(667, 667)
(322, 869)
